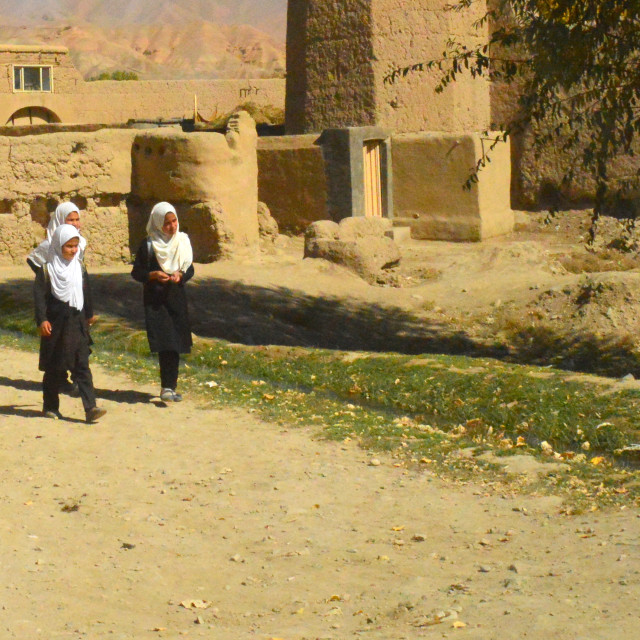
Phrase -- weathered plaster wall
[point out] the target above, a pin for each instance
(338, 55)
(113, 102)
(38, 172)
(330, 81)
(212, 179)
(116, 176)
(416, 31)
(429, 173)
(291, 180)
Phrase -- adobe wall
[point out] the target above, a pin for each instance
(291, 180)
(430, 170)
(338, 55)
(39, 172)
(211, 179)
(116, 102)
(330, 80)
(416, 31)
(115, 177)
(112, 102)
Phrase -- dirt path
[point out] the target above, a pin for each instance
(105, 530)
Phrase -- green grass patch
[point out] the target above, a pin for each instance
(422, 410)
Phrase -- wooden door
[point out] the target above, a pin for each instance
(372, 179)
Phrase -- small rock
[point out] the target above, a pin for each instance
(374, 462)
(418, 537)
(484, 568)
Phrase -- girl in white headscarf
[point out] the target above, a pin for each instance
(65, 213)
(163, 264)
(64, 312)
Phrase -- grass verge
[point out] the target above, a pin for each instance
(441, 412)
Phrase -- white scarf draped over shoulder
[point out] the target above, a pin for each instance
(65, 275)
(39, 255)
(173, 253)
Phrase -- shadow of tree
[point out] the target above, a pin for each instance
(253, 315)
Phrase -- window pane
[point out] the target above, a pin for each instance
(46, 78)
(17, 85)
(32, 78)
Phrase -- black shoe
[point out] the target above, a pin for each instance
(52, 415)
(93, 415)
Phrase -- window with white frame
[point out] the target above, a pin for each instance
(32, 78)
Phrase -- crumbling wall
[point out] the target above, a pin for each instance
(91, 169)
(211, 179)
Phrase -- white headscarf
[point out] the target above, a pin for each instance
(173, 253)
(65, 275)
(39, 255)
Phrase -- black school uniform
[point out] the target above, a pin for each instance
(69, 345)
(166, 314)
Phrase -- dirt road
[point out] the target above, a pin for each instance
(105, 530)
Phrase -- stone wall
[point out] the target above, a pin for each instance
(338, 55)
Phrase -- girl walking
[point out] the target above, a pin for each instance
(65, 213)
(163, 264)
(64, 312)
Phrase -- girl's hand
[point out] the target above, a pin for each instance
(92, 320)
(45, 329)
(176, 277)
(159, 276)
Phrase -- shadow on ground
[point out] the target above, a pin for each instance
(253, 315)
(122, 396)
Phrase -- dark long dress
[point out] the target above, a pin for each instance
(70, 338)
(165, 306)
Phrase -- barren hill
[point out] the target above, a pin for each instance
(162, 39)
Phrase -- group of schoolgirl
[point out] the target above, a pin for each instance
(64, 308)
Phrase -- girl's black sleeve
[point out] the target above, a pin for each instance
(40, 297)
(33, 266)
(188, 274)
(88, 297)
(140, 271)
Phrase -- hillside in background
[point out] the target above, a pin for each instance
(157, 39)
